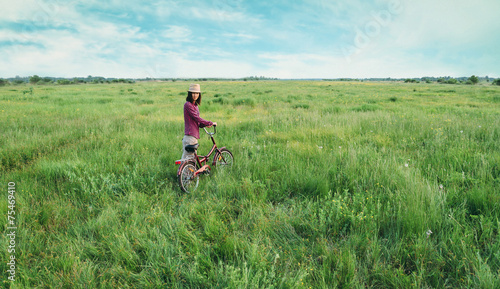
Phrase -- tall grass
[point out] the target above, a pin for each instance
(334, 185)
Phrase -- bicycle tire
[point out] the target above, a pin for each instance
(187, 181)
(224, 159)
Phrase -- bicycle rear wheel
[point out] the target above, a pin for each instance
(187, 181)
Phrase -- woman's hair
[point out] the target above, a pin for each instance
(189, 98)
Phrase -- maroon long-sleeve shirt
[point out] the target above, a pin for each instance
(193, 121)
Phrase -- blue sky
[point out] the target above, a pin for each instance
(238, 38)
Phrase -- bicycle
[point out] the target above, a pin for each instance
(190, 169)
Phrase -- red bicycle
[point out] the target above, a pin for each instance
(190, 169)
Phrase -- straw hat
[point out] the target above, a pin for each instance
(194, 88)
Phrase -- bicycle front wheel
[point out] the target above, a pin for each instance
(224, 160)
(187, 181)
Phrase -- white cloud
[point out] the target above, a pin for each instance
(221, 15)
(421, 38)
(214, 68)
(371, 63)
(242, 36)
(178, 33)
(95, 47)
(300, 65)
(19, 10)
(427, 23)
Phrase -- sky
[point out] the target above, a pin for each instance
(240, 38)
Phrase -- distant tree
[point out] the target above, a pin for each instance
(63, 81)
(496, 81)
(452, 81)
(473, 79)
(3, 82)
(35, 79)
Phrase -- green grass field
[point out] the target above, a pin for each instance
(335, 185)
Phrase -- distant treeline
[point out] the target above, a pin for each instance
(445, 80)
(35, 79)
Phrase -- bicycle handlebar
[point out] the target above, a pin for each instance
(211, 133)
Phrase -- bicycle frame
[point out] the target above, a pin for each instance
(204, 159)
(200, 161)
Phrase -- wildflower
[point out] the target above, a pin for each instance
(429, 232)
(461, 131)
(320, 147)
(406, 165)
(441, 186)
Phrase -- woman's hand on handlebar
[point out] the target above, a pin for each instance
(214, 124)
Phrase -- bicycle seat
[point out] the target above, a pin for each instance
(191, 148)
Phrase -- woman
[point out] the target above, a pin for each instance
(192, 120)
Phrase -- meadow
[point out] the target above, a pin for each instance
(334, 185)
